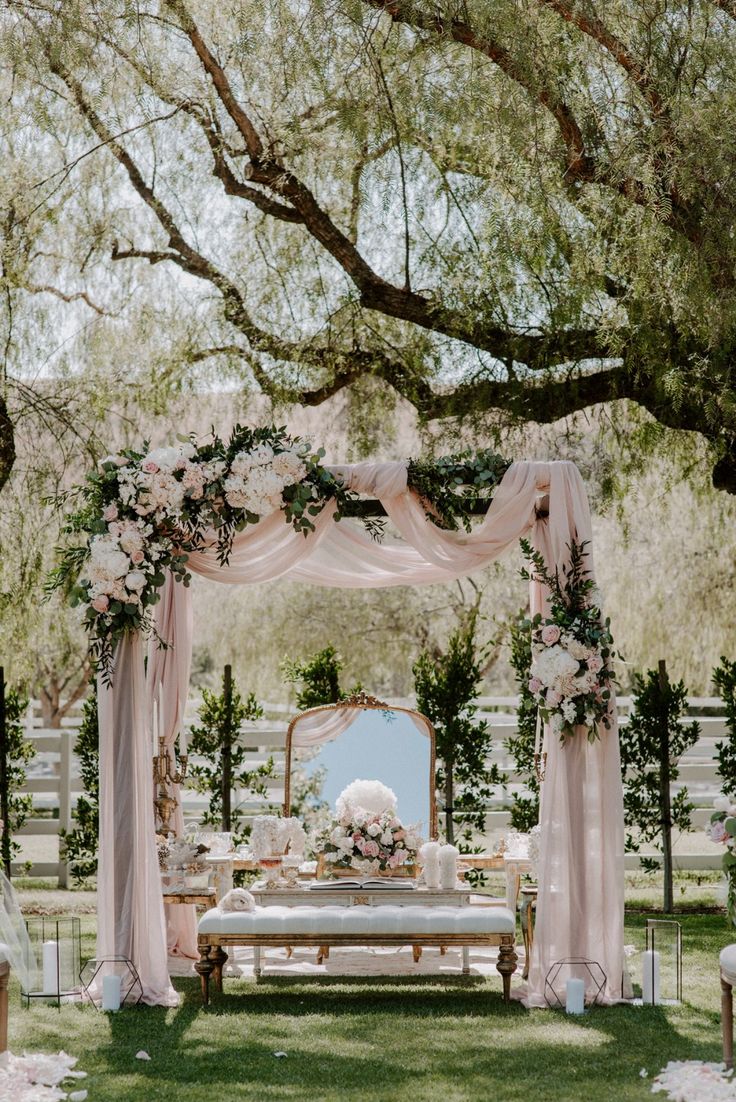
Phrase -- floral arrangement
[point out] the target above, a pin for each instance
(367, 835)
(722, 830)
(142, 512)
(181, 854)
(571, 677)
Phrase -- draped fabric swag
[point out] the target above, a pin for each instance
(580, 902)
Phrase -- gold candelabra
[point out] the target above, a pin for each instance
(166, 773)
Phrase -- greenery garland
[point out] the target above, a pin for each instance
(455, 488)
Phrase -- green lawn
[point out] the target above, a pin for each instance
(398, 1040)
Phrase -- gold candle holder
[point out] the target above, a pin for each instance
(165, 773)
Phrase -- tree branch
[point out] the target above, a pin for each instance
(74, 296)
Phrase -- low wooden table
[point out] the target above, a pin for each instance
(199, 897)
(513, 867)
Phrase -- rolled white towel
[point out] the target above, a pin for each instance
(237, 899)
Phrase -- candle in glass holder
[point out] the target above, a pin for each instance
(50, 967)
(111, 991)
(575, 995)
(650, 977)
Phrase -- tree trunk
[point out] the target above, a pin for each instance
(664, 792)
(227, 759)
(7, 444)
(449, 809)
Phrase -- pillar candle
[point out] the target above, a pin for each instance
(575, 995)
(650, 977)
(50, 962)
(111, 987)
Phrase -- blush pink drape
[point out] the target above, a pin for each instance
(580, 903)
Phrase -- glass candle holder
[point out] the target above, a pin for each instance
(290, 866)
(271, 868)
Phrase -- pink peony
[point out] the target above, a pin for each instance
(110, 512)
(535, 685)
(595, 663)
(101, 603)
(371, 849)
(718, 832)
(550, 634)
(357, 836)
(553, 697)
(150, 467)
(137, 557)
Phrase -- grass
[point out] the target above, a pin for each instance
(387, 1040)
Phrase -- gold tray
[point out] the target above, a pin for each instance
(326, 870)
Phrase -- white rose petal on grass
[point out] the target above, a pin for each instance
(77, 1096)
(142, 1055)
(643, 1074)
(279, 1054)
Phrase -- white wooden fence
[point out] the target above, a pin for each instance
(55, 783)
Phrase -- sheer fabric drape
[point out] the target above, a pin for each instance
(580, 903)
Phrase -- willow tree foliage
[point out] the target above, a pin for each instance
(524, 206)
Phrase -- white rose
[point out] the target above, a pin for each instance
(410, 842)
(721, 803)
(578, 650)
(135, 581)
(345, 843)
(387, 838)
(374, 830)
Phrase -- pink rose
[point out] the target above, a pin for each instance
(110, 512)
(595, 663)
(550, 634)
(137, 557)
(371, 849)
(357, 836)
(150, 467)
(535, 685)
(399, 835)
(393, 861)
(718, 832)
(553, 697)
(395, 824)
(114, 529)
(101, 603)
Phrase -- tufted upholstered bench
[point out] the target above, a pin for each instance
(728, 981)
(359, 925)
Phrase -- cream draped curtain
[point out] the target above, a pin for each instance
(580, 902)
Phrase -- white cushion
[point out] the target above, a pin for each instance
(387, 920)
(728, 964)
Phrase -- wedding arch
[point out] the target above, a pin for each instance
(263, 506)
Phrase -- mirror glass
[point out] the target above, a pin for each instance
(384, 744)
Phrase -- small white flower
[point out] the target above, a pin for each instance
(135, 581)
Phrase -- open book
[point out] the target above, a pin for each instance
(372, 883)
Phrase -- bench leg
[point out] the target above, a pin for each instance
(506, 964)
(466, 960)
(219, 956)
(416, 952)
(727, 1022)
(205, 967)
(323, 954)
(256, 961)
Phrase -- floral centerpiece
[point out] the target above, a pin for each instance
(722, 830)
(366, 835)
(571, 677)
(141, 513)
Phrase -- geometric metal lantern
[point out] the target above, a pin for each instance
(664, 938)
(589, 971)
(55, 948)
(131, 988)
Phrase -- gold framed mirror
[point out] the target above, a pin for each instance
(364, 738)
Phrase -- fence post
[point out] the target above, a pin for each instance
(664, 792)
(4, 794)
(65, 799)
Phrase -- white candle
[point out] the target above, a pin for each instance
(575, 996)
(650, 977)
(111, 986)
(50, 960)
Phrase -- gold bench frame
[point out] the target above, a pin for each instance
(213, 956)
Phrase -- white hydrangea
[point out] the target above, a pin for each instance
(369, 797)
(552, 664)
